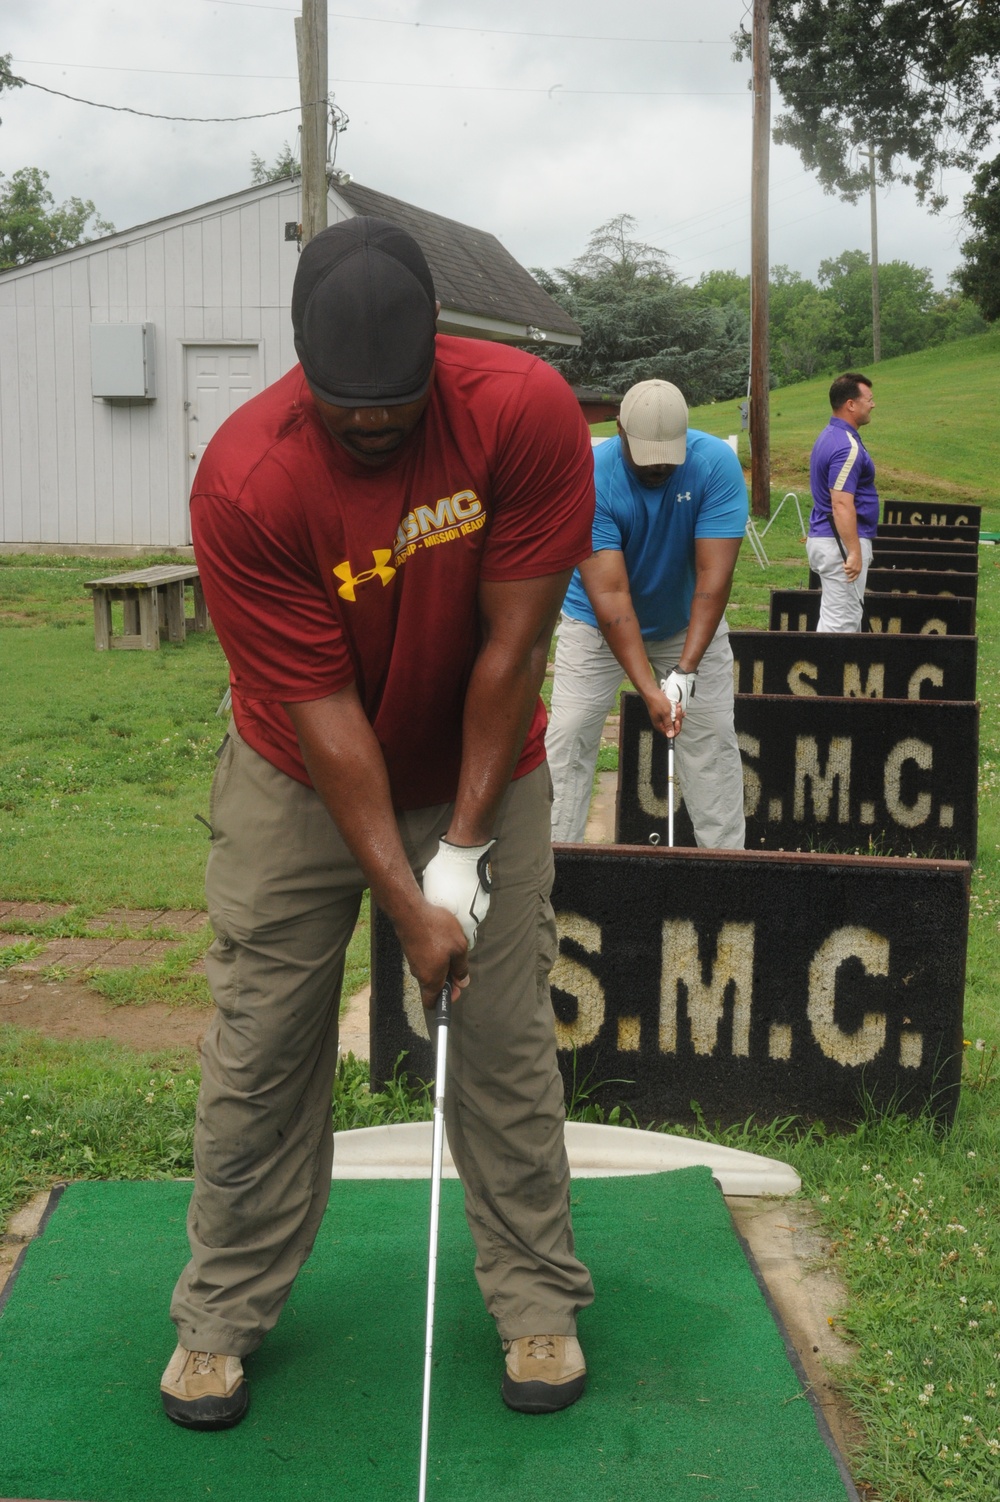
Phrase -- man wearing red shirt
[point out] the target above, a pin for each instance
(384, 536)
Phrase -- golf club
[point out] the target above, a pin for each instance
(670, 791)
(442, 1014)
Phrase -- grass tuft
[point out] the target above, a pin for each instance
(168, 980)
(16, 954)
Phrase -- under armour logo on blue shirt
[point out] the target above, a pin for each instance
(686, 496)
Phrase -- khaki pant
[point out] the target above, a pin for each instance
(840, 606)
(709, 768)
(283, 897)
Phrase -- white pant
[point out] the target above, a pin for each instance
(708, 765)
(840, 605)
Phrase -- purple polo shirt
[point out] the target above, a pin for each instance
(840, 461)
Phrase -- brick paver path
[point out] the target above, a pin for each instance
(103, 949)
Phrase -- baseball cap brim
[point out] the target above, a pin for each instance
(348, 399)
(646, 451)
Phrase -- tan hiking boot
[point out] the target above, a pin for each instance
(203, 1390)
(544, 1373)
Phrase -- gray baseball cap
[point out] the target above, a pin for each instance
(363, 315)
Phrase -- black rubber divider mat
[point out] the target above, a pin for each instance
(798, 610)
(855, 665)
(928, 536)
(927, 543)
(894, 581)
(766, 984)
(931, 514)
(928, 560)
(691, 1395)
(884, 776)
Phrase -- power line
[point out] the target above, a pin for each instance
(718, 249)
(711, 229)
(488, 88)
(403, 83)
(40, 62)
(491, 31)
(720, 208)
(126, 109)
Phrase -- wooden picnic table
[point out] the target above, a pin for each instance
(153, 600)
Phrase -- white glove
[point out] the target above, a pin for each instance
(679, 689)
(459, 879)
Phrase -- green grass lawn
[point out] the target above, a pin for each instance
(106, 757)
(105, 762)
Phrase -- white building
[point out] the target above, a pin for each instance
(119, 359)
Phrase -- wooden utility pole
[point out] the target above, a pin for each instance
(311, 48)
(760, 339)
(876, 313)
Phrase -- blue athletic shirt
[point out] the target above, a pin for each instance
(840, 461)
(706, 496)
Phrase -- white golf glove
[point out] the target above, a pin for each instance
(459, 879)
(679, 689)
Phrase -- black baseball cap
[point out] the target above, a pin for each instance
(363, 315)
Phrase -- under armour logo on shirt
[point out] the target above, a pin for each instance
(683, 496)
(382, 570)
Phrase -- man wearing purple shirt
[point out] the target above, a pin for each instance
(845, 505)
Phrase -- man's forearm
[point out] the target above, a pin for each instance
(347, 769)
(499, 705)
(715, 562)
(516, 619)
(619, 625)
(845, 519)
(707, 610)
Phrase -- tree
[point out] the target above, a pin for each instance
(917, 78)
(33, 227)
(907, 295)
(8, 80)
(284, 165)
(720, 288)
(979, 276)
(914, 316)
(640, 322)
(801, 318)
(806, 344)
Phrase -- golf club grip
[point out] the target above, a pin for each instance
(442, 1007)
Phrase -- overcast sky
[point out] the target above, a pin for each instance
(535, 119)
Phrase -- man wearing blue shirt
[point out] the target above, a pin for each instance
(649, 605)
(845, 506)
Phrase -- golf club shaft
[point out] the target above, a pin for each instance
(442, 1013)
(670, 791)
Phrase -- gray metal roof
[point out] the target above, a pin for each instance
(473, 273)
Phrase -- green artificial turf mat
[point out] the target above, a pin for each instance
(691, 1396)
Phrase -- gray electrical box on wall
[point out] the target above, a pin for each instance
(122, 361)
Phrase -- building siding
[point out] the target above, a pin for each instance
(75, 470)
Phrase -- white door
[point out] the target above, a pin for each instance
(218, 379)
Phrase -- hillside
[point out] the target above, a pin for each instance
(935, 432)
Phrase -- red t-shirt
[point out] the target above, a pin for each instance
(319, 570)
